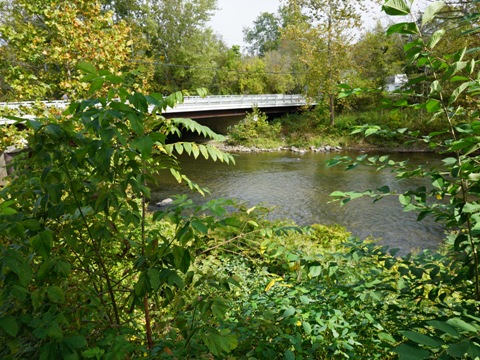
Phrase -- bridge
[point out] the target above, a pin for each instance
(196, 107)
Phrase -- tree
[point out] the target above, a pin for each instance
(226, 80)
(377, 56)
(185, 50)
(324, 31)
(264, 36)
(44, 41)
(252, 76)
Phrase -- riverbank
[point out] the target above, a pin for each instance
(238, 148)
(307, 132)
(223, 146)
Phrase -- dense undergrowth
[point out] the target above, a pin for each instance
(86, 272)
(310, 128)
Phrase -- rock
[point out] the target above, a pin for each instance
(164, 202)
(297, 150)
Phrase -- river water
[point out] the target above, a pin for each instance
(298, 188)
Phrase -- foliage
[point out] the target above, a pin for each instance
(378, 56)
(452, 81)
(39, 64)
(255, 131)
(323, 30)
(183, 49)
(265, 34)
(10, 135)
(82, 272)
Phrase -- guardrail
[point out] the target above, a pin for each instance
(190, 103)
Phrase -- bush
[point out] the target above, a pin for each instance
(256, 131)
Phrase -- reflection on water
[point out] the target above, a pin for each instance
(298, 187)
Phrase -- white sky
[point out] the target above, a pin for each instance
(234, 15)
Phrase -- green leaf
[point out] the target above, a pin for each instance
(96, 352)
(411, 352)
(384, 189)
(396, 8)
(219, 308)
(141, 286)
(56, 294)
(136, 122)
(408, 28)
(144, 145)
(306, 300)
(431, 11)
(471, 207)
(289, 355)
(386, 337)
(433, 105)
(42, 243)
(422, 338)
(454, 68)
(179, 148)
(172, 278)
(182, 258)
(219, 344)
(435, 38)
(96, 85)
(456, 93)
(444, 327)
(435, 87)
(307, 327)
(459, 350)
(9, 325)
(154, 278)
(114, 79)
(63, 268)
(139, 102)
(289, 312)
(315, 271)
(462, 325)
(86, 67)
(404, 199)
(372, 130)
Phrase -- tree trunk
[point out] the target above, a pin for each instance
(332, 110)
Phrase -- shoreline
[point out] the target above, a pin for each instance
(317, 149)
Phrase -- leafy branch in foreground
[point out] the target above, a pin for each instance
(452, 195)
(82, 266)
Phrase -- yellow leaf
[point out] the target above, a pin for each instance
(270, 285)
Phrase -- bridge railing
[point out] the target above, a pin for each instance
(191, 103)
(197, 103)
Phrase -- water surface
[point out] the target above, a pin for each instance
(298, 188)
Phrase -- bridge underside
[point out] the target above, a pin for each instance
(220, 120)
(211, 114)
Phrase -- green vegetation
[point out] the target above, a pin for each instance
(311, 128)
(255, 131)
(86, 272)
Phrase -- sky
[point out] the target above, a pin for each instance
(234, 15)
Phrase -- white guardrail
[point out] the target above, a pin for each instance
(191, 103)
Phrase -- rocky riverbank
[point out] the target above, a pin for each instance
(244, 149)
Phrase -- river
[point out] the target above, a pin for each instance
(298, 188)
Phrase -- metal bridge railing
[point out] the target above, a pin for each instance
(191, 103)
